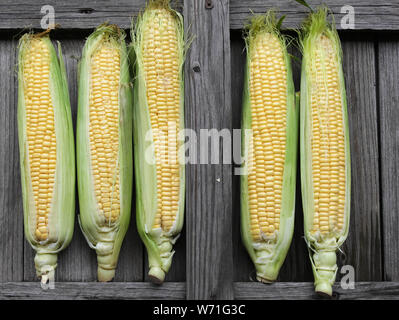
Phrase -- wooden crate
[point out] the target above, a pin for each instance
(210, 261)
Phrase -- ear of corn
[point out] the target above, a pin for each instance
(325, 156)
(47, 155)
(104, 145)
(158, 118)
(270, 150)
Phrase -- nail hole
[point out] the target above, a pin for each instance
(208, 4)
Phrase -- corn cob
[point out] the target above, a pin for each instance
(158, 118)
(47, 155)
(270, 150)
(325, 156)
(104, 145)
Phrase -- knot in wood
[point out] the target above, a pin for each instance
(196, 67)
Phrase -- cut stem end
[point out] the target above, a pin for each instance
(267, 273)
(264, 280)
(105, 275)
(324, 289)
(156, 275)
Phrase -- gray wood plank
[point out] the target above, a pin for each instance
(243, 267)
(177, 291)
(369, 15)
(305, 291)
(130, 264)
(209, 193)
(72, 14)
(388, 60)
(76, 14)
(93, 291)
(363, 249)
(11, 211)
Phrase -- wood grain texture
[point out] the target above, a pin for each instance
(369, 15)
(243, 267)
(72, 14)
(76, 14)
(388, 60)
(177, 291)
(92, 291)
(209, 187)
(305, 291)
(363, 249)
(11, 210)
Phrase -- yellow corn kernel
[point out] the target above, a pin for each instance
(267, 88)
(104, 128)
(162, 78)
(104, 145)
(40, 131)
(328, 147)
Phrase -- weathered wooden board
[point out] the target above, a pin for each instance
(177, 291)
(93, 291)
(11, 218)
(76, 14)
(388, 61)
(243, 267)
(369, 15)
(362, 250)
(208, 196)
(305, 291)
(73, 14)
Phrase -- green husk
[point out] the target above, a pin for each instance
(322, 249)
(62, 214)
(105, 237)
(158, 242)
(269, 255)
